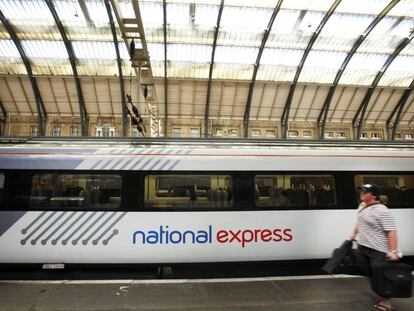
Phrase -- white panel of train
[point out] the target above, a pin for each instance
(187, 204)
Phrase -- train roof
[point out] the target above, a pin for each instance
(121, 154)
(118, 142)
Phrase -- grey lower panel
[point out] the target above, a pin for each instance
(63, 228)
(8, 219)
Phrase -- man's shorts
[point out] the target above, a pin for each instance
(366, 257)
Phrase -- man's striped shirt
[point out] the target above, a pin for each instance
(374, 222)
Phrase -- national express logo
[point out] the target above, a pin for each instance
(164, 235)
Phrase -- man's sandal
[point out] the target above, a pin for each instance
(381, 307)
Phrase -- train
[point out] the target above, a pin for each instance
(166, 201)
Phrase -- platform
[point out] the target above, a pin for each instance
(317, 293)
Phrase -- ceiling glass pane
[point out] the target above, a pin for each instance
(249, 3)
(127, 10)
(355, 24)
(190, 35)
(284, 57)
(382, 41)
(185, 36)
(400, 72)
(389, 32)
(321, 66)
(276, 73)
(10, 61)
(45, 49)
(182, 69)
(97, 11)
(318, 74)
(232, 71)
(357, 16)
(238, 41)
(156, 51)
(367, 61)
(94, 50)
(30, 19)
(324, 59)
(12, 66)
(235, 31)
(189, 53)
(293, 30)
(88, 67)
(369, 7)
(279, 64)
(8, 49)
(285, 21)
(236, 17)
(217, 2)
(309, 5)
(363, 68)
(235, 55)
(157, 68)
(178, 14)
(205, 15)
(405, 9)
(151, 13)
(26, 10)
(70, 12)
(89, 22)
(310, 21)
(239, 38)
(51, 66)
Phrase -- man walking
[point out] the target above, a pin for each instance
(377, 236)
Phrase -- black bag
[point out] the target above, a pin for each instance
(392, 280)
(342, 260)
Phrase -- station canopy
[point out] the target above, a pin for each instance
(191, 27)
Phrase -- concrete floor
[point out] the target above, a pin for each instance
(319, 294)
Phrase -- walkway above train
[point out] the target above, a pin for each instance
(339, 293)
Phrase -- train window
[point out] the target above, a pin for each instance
(188, 191)
(295, 191)
(54, 190)
(395, 190)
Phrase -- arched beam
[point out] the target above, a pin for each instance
(321, 123)
(256, 68)
(72, 60)
(119, 63)
(210, 73)
(41, 111)
(85, 13)
(3, 118)
(164, 6)
(315, 34)
(358, 120)
(3, 112)
(398, 110)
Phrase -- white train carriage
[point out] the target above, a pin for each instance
(159, 201)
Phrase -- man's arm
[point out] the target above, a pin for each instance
(354, 233)
(392, 241)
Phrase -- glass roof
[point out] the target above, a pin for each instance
(191, 25)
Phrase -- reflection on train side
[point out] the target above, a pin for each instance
(395, 190)
(163, 191)
(295, 190)
(75, 190)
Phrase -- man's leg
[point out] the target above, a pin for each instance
(362, 262)
(376, 258)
